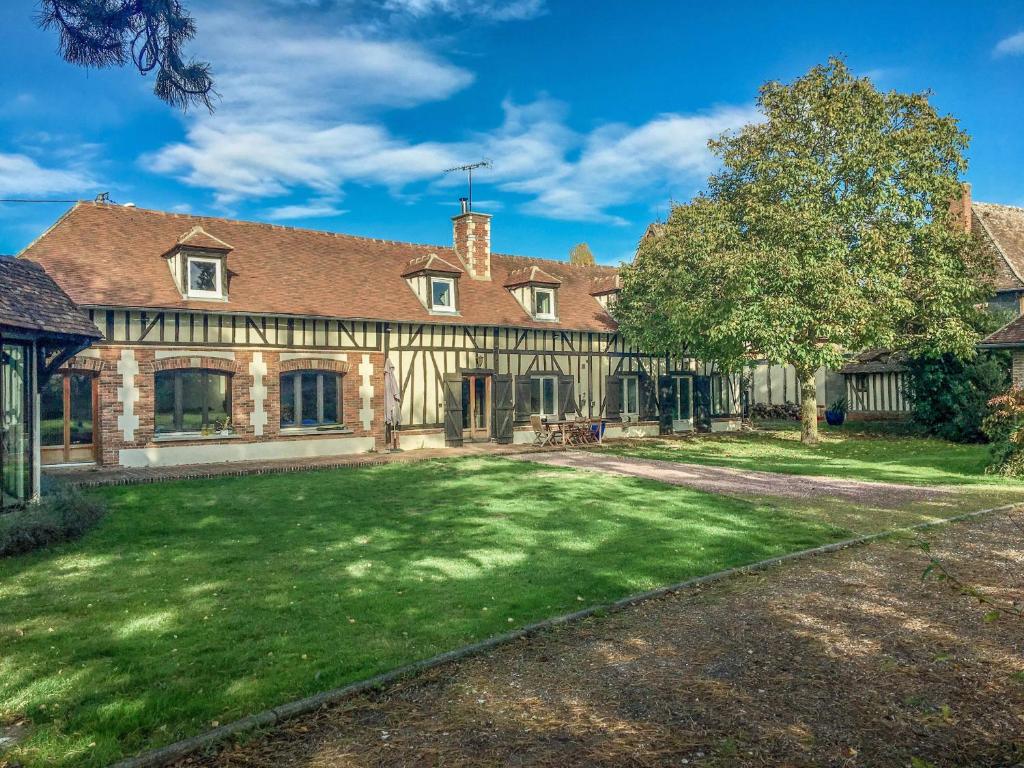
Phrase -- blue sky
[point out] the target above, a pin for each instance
(341, 115)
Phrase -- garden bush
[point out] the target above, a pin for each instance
(64, 514)
(1004, 427)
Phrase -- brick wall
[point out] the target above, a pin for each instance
(116, 415)
(1018, 368)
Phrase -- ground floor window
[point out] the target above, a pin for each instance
(66, 423)
(15, 425)
(192, 400)
(683, 401)
(311, 399)
(544, 396)
(631, 396)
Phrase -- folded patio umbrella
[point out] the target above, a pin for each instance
(392, 397)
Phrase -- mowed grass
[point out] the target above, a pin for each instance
(850, 451)
(198, 602)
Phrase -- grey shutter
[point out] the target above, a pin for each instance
(613, 398)
(648, 395)
(666, 403)
(453, 410)
(503, 413)
(566, 396)
(523, 408)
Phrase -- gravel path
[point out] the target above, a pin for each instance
(849, 659)
(742, 481)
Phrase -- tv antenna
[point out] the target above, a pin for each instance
(485, 163)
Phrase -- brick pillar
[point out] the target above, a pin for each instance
(1018, 368)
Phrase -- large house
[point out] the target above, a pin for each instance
(227, 340)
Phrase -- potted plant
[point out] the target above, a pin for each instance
(836, 413)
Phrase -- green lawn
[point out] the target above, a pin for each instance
(198, 602)
(862, 453)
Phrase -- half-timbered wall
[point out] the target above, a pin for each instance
(877, 394)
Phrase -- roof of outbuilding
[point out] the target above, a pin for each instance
(876, 361)
(1001, 228)
(108, 255)
(30, 300)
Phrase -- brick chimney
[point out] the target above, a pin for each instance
(471, 237)
(961, 208)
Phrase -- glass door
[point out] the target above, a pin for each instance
(476, 407)
(682, 415)
(66, 419)
(15, 431)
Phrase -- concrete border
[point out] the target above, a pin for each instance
(179, 749)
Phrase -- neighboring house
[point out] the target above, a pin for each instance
(40, 329)
(229, 340)
(1003, 229)
(875, 382)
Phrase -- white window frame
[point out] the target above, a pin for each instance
(450, 282)
(554, 389)
(551, 300)
(633, 415)
(680, 423)
(194, 293)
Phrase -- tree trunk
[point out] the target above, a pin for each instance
(808, 408)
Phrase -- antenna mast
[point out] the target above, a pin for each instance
(485, 163)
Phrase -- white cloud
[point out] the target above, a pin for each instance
(21, 176)
(1010, 46)
(304, 118)
(314, 209)
(490, 10)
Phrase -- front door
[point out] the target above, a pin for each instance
(67, 423)
(682, 406)
(476, 407)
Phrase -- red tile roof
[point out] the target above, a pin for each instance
(530, 275)
(1001, 228)
(31, 300)
(112, 256)
(431, 263)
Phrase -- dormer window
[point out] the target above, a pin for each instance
(198, 264)
(544, 303)
(442, 294)
(205, 278)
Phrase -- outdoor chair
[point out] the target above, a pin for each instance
(541, 434)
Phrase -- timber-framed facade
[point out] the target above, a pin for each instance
(228, 340)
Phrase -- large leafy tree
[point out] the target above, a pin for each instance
(149, 34)
(827, 230)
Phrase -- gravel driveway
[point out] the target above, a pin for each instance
(742, 481)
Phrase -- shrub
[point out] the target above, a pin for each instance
(775, 411)
(62, 515)
(1004, 427)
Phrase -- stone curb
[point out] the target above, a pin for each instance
(179, 749)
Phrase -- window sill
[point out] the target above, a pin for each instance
(178, 437)
(339, 430)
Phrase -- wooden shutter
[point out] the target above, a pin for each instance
(666, 403)
(613, 398)
(503, 412)
(702, 402)
(648, 395)
(566, 396)
(453, 410)
(523, 408)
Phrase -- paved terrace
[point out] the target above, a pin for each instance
(91, 476)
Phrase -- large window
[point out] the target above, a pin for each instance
(544, 303)
(724, 395)
(311, 399)
(192, 400)
(544, 396)
(442, 294)
(204, 278)
(631, 396)
(683, 404)
(15, 442)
